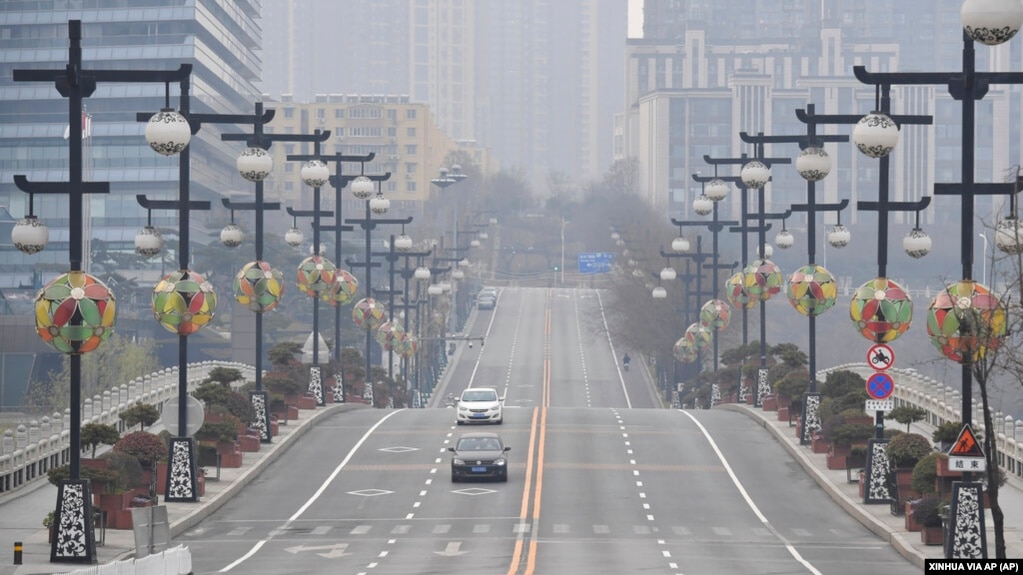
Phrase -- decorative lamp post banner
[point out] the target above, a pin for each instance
(75, 312)
(715, 314)
(966, 320)
(343, 290)
(881, 310)
(316, 275)
(735, 291)
(812, 290)
(259, 286)
(184, 302)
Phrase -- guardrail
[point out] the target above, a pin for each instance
(27, 452)
(173, 561)
(942, 404)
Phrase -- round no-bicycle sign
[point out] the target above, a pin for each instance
(880, 385)
(880, 357)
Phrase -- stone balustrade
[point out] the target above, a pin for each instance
(29, 450)
(943, 403)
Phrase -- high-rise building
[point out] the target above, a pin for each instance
(696, 80)
(218, 39)
(535, 81)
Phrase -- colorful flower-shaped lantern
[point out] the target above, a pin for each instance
(343, 290)
(684, 351)
(698, 336)
(735, 291)
(409, 344)
(881, 310)
(368, 313)
(388, 335)
(763, 279)
(965, 320)
(315, 275)
(812, 290)
(184, 302)
(75, 312)
(715, 314)
(259, 286)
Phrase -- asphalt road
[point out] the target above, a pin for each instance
(600, 480)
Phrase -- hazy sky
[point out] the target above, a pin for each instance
(635, 18)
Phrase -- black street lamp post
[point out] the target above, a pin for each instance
(315, 371)
(966, 539)
(259, 139)
(368, 223)
(74, 540)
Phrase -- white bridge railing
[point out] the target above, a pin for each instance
(27, 452)
(943, 403)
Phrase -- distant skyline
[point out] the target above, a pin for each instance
(635, 18)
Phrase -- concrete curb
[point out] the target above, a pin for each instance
(851, 506)
(207, 507)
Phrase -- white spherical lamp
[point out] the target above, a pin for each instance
(917, 243)
(148, 242)
(703, 205)
(232, 235)
(1009, 236)
(659, 293)
(293, 237)
(379, 204)
(315, 173)
(716, 189)
(784, 240)
(422, 273)
(168, 132)
(991, 22)
(362, 187)
(813, 164)
(838, 236)
(255, 164)
(755, 174)
(30, 235)
(680, 245)
(402, 243)
(876, 135)
(668, 274)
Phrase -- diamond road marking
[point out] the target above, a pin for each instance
(361, 529)
(370, 492)
(399, 449)
(400, 529)
(481, 528)
(601, 529)
(474, 491)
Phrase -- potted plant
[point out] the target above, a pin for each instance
(927, 512)
(48, 523)
(946, 434)
(907, 415)
(148, 449)
(843, 438)
(904, 451)
(140, 414)
(127, 473)
(95, 434)
(925, 474)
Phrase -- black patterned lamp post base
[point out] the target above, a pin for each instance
(965, 535)
(763, 388)
(811, 419)
(876, 489)
(74, 538)
(260, 403)
(339, 388)
(316, 385)
(182, 484)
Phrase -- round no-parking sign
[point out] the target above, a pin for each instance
(880, 385)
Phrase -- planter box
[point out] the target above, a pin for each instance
(911, 524)
(932, 536)
(836, 461)
(783, 414)
(770, 403)
(248, 443)
(840, 450)
(818, 445)
(232, 460)
(784, 401)
(305, 402)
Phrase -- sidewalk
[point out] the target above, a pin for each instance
(22, 511)
(878, 518)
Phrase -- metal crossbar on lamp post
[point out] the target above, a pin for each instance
(74, 540)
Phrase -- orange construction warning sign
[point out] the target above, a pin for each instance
(966, 445)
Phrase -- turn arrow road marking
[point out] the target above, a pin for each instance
(333, 551)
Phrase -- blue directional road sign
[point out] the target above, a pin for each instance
(880, 385)
(595, 262)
